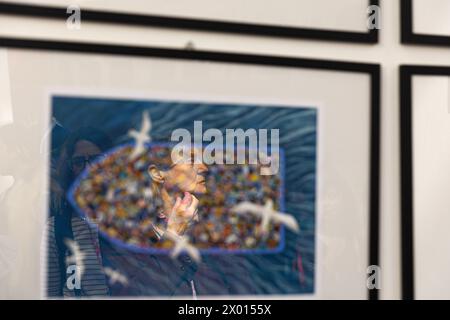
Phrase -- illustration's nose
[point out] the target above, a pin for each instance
(202, 168)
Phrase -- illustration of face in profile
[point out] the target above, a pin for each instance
(177, 188)
(184, 175)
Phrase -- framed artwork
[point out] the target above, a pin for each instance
(419, 28)
(285, 181)
(425, 127)
(306, 19)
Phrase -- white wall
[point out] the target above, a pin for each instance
(431, 122)
(389, 53)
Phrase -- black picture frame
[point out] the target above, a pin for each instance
(407, 33)
(406, 164)
(369, 37)
(373, 70)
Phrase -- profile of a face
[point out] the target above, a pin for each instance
(187, 178)
(182, 177)
(187, 173)
(177, 187)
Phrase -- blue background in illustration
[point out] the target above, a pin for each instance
(290, 271)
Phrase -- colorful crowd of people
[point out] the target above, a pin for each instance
(116, 194)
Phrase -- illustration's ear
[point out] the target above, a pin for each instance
(156, 175)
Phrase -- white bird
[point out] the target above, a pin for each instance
(142, 136)
(115, 276)
(76, 257)
(267, 213)
(182, 244)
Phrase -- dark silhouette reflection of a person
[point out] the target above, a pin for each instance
(82, 147)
